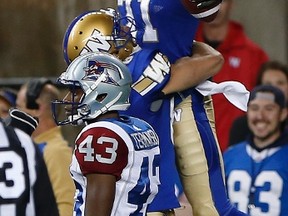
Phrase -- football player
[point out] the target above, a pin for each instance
(115, 165)
(150, 72)
(167, 26)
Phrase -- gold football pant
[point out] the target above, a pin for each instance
(191, 158)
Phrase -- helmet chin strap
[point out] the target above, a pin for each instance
(75, 119)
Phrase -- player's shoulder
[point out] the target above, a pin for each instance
(142, 56)
(124, 123)
(134, 119)
(100, 126)
(104, 128)
(123, 129)
(142, 134)
(136, 123)
(152, 63)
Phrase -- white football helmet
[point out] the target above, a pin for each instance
(105, 82)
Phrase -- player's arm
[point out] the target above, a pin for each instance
(100, 194)
(190, 71)
(96, 153)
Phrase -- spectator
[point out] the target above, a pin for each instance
(243, 59)
(115, 164)
(35, 98)
(271, 73)
(256, 169)
(274, 73)
(7, 101)
(25, 188)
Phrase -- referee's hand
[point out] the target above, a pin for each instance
(21, 120)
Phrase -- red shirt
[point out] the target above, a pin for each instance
(243, 59)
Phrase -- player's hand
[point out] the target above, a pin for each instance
(161, 95)
(158, 100)
(21, 120)
(202, 4)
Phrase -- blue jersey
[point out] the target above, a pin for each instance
(150, 72)
(257, 182)
(166, 26)
(163, 25)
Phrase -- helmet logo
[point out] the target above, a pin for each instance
(96, 42)
(95, 69)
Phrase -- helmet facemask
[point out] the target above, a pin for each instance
(74, 108)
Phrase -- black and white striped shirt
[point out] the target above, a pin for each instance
(25, 188)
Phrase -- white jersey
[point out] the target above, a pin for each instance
(127, 148)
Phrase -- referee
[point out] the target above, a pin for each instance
(25, 188)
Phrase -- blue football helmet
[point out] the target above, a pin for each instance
(105, 83)
(98, 31)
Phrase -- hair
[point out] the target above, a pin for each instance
(49, 93)
(271, 65)
(45, 93)
(279, 97)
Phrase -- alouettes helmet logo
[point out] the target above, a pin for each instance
(95, 69)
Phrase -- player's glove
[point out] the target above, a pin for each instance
(161, 95)
(21, 120)
(202, 4)
(158, 99)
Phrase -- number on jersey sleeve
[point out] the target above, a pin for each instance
(142, 191)
(101, 150)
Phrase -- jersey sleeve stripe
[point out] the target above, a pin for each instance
(28, 145)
